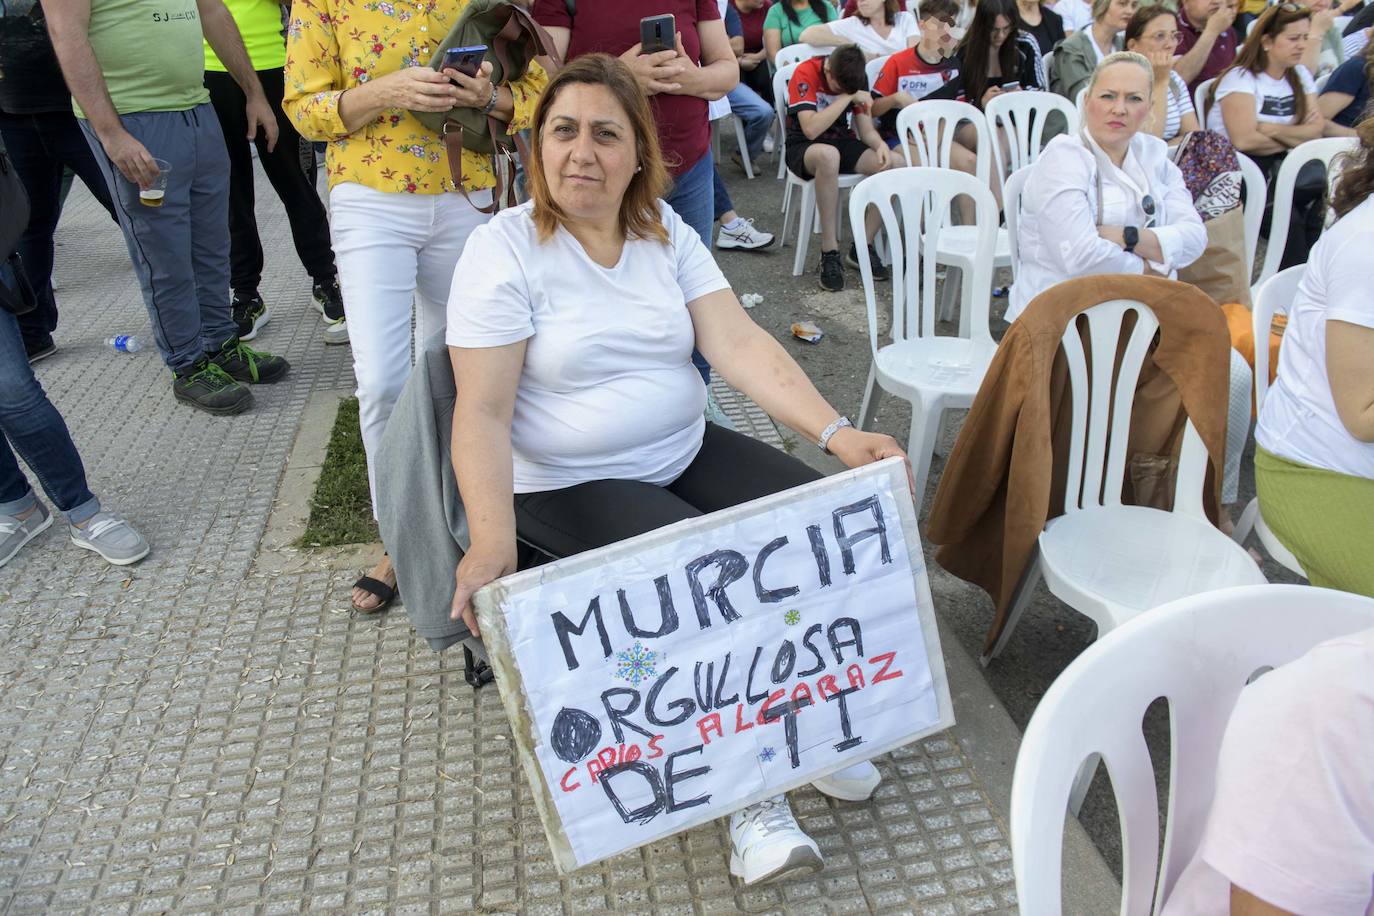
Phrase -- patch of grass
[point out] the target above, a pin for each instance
(341, 508)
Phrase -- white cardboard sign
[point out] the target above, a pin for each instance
(675, 677)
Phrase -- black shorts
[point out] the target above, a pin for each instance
(851, 148)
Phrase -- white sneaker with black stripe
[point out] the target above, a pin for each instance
(766, 844)
(742, 234)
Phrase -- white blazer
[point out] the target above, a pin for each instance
(1057, 236)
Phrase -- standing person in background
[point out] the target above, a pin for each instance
(1207, 49)
(1042, 23)
(753, 63)
(259, 22)
(679, 83)
(1266, 104)
(787, 19)
(44, 139)
(1077, 58)
(398, 220)
(136, 70)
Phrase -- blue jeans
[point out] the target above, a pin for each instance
(754, 113)
(720, 196)
(42, 146)
(693, 197)
(180, 250)
(33, 428)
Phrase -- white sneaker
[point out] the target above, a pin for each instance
(14, 534)
(335, 332)
(768, 144)
(853, 783)
(766, 843)
(111, 536)
(744, 235)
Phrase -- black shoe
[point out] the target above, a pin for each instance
(40, 351)
(244, 364)
(880, 270)
(207, 386)
(329, 303)
(250, 314)
(832, 271)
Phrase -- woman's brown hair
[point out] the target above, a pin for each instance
(1253, 58)
(1357, 172)
(1135, 29)
(639, 215)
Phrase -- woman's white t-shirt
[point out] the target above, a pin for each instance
(1299, 420)
(1274, 99)
(1077, 14)
(855, 31)
(608, 389)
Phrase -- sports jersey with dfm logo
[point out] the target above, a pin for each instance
(906, 71)
(809, 90)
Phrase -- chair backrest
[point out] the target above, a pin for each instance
(1199, 100)
(1011, 206)
(1022, 116)
(795, 54)
(913, 204)
(1270, 297)
(1102, 407)
(873, 68)
(780, 79)
(1198, 653)
(1078, 101)
(1323, 151)
(1256, 188)
(929, 126)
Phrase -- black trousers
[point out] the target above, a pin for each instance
(1305, 221)
(42, 146)
(730, 469)
(290, 167)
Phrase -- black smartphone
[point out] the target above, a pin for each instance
(466, 61)
(657, 33)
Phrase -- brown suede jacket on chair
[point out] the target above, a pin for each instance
(1005, 476)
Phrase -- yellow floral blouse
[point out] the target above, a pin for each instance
(334, 45)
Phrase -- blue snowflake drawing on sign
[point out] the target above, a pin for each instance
(767, 755)
(636, 664)
(792, 618)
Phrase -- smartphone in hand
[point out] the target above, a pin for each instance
(657, 33)
(467, 61)
(1010, 87)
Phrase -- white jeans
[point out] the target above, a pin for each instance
(395, 252)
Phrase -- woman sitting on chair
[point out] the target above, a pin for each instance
(1153, 32)
(1109, 200)
(1078, 55)
(878, 27)
(578, 419)
(994, 57)
(1314, 455)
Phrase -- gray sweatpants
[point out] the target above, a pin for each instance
(180, 250)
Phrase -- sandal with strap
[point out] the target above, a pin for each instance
(378, 589)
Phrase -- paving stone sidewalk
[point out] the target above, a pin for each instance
(201, 734)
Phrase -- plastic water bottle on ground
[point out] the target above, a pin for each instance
(124, 343)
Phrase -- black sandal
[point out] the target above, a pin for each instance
(378, 589)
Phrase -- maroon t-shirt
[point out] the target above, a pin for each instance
(1223, 51)
(683, 128)
(753, 25)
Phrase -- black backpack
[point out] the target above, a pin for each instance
(14, 217)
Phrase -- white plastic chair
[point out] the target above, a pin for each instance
(1106, 560)
(933, 373)
(929, 126)
(807, 220)
(717, 125)
(1199, 100)
(1023, 116)
(1011, 206)
(1273, 295)
(792, 55)
(1256, 189)
(1323, 151)
(873, 68)
(1197, 653)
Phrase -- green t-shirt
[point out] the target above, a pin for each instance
(777, 19)
(259, 23)
(150, 53)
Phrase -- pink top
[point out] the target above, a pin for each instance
(1293, 818)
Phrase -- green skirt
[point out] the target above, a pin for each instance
(1324, 517)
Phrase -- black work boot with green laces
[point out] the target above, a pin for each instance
(253, 367)
(206, 386)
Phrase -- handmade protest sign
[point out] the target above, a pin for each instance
(672, 678)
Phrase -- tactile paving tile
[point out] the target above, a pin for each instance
(191, 736)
